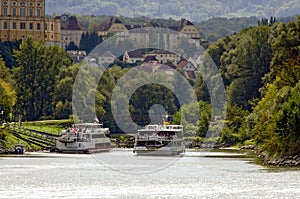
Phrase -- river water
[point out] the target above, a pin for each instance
(120, 174)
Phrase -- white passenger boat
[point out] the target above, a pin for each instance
(160, 139)
(84, 138)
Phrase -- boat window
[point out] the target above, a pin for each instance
(98, 136)
(102, 144)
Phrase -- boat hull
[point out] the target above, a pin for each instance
(159, 152)
(82, 150)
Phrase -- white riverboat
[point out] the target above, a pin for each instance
(84, 138)
(160, 139)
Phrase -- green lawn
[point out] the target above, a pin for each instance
(48, 126)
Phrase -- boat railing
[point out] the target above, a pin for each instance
(155, 137)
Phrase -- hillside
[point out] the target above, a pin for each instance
(195, 10)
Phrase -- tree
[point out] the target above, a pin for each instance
(6, 51)
(7, 100)
(243, 58)
(89, 41)
(72, 46)
(195, 118)
(276, 116)
(38, 66)
(285, 67)
(62, 96)
(288, 123)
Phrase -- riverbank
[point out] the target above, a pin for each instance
(284, 161)
(266, 160)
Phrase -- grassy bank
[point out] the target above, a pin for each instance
(8, 140)
(48, 126)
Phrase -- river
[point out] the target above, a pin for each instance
(120, 174)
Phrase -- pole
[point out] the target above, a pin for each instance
(2, 113)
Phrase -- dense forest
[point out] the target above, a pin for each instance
(194, 10)
(259, 65)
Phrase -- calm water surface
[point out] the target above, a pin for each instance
(120, 174)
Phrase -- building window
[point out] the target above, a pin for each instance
(38, 26)
(14, 25)
(5, 3)
(38, 4)
(22, 12)
(51, 27)
(14, 12)
(38, 13)
(22, 26)
(4, 11)
(14, 3)
(5, 25)
(22, 3)
(30, 12)
(46, 27)
(31, 26)
(5, 36)
(31, 4)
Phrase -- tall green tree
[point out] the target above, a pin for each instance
(38, 66)
(89, 41)
(62, 97)
(7, 92)
(276, 117)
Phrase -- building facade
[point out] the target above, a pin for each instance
(22, 18)
(71, 30)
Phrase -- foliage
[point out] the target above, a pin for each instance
(6, 52)
(38, 66)
(62, 97)
(243, 58)
(89, 41)
(276, 117)
(7, 100)
(219, 27)
(72, 46)
(261, 72)
(233, 131)
(7, 92)
(195, 118)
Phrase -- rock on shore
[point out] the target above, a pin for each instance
(291, 161)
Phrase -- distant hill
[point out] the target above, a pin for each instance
(194, 10)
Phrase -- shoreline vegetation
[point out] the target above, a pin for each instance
(260, 70)
(126, 141)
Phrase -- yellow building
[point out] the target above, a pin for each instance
(52, 32)
(164, 56)
(21, 18)
(140, 33)
(188, 28)
(111, 25)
